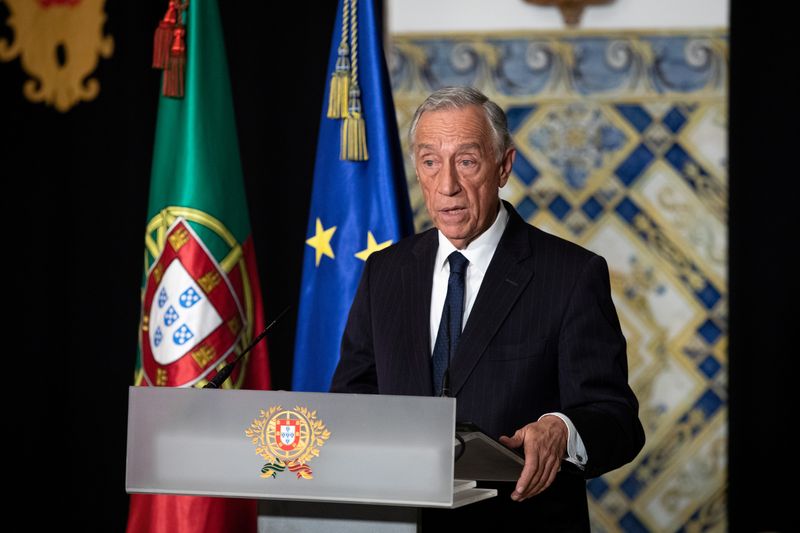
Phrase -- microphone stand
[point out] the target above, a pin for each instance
(223, 374)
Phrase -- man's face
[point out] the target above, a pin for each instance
(459, 173)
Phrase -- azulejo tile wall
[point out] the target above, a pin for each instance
(621, 140)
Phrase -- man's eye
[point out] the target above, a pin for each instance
(467, 163)
(428, 163)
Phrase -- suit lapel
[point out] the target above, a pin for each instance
(508, 274)
(417, 278)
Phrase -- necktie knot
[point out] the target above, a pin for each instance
(458, 263)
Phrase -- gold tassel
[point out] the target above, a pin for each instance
(340, 78)
(354, 131)
(340, 85)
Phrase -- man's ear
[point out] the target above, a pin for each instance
(506, 164)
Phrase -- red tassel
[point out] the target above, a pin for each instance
(176, 65)
(163, 37)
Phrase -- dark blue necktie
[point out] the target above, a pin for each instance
(450, 325)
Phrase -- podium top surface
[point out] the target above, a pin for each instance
(391, 450)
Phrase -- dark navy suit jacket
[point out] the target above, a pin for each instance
(542, 336)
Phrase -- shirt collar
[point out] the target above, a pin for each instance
(480, 251)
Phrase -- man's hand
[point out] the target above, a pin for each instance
(545, 444)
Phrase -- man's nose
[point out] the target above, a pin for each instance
(448, 180)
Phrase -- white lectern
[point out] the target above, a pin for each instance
(320, 462)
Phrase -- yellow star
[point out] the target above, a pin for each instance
(321, 241)
(372, 246)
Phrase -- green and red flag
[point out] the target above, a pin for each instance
(201, 298)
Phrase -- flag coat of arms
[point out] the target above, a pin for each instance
(192, 318)
(201, 297)
(357, 206)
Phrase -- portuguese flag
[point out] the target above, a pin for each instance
(201, 299)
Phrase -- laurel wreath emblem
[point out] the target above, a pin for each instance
(312, 434)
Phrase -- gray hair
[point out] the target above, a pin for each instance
(459, 98)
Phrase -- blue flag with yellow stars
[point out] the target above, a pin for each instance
(359, 202)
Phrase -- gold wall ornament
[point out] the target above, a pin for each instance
(59, 43)
(571, 10)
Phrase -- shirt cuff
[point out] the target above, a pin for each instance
(576, 451)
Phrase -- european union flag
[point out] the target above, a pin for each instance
(357, 207)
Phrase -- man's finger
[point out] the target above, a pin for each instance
(512, 442)
(538, 477)
(547, 475)
(508, 442)
(529, 470)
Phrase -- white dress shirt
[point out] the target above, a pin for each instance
(479, 253)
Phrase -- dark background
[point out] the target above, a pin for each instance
(763, 279)
(74, 199)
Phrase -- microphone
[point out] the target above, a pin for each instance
(223, 374)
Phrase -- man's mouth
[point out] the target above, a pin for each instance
(452, 214)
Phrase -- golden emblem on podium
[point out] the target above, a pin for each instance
(287, 440)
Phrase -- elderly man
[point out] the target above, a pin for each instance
(516, 324)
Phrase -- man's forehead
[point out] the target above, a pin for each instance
(458, 146)
(469, 117)
(461, 127)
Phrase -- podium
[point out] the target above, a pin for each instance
(319, 462)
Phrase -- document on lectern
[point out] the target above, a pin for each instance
(483, 458)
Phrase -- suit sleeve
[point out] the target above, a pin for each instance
(355, 372)
(593, 374)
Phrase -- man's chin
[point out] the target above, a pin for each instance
(452, 232)
(456, 236)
